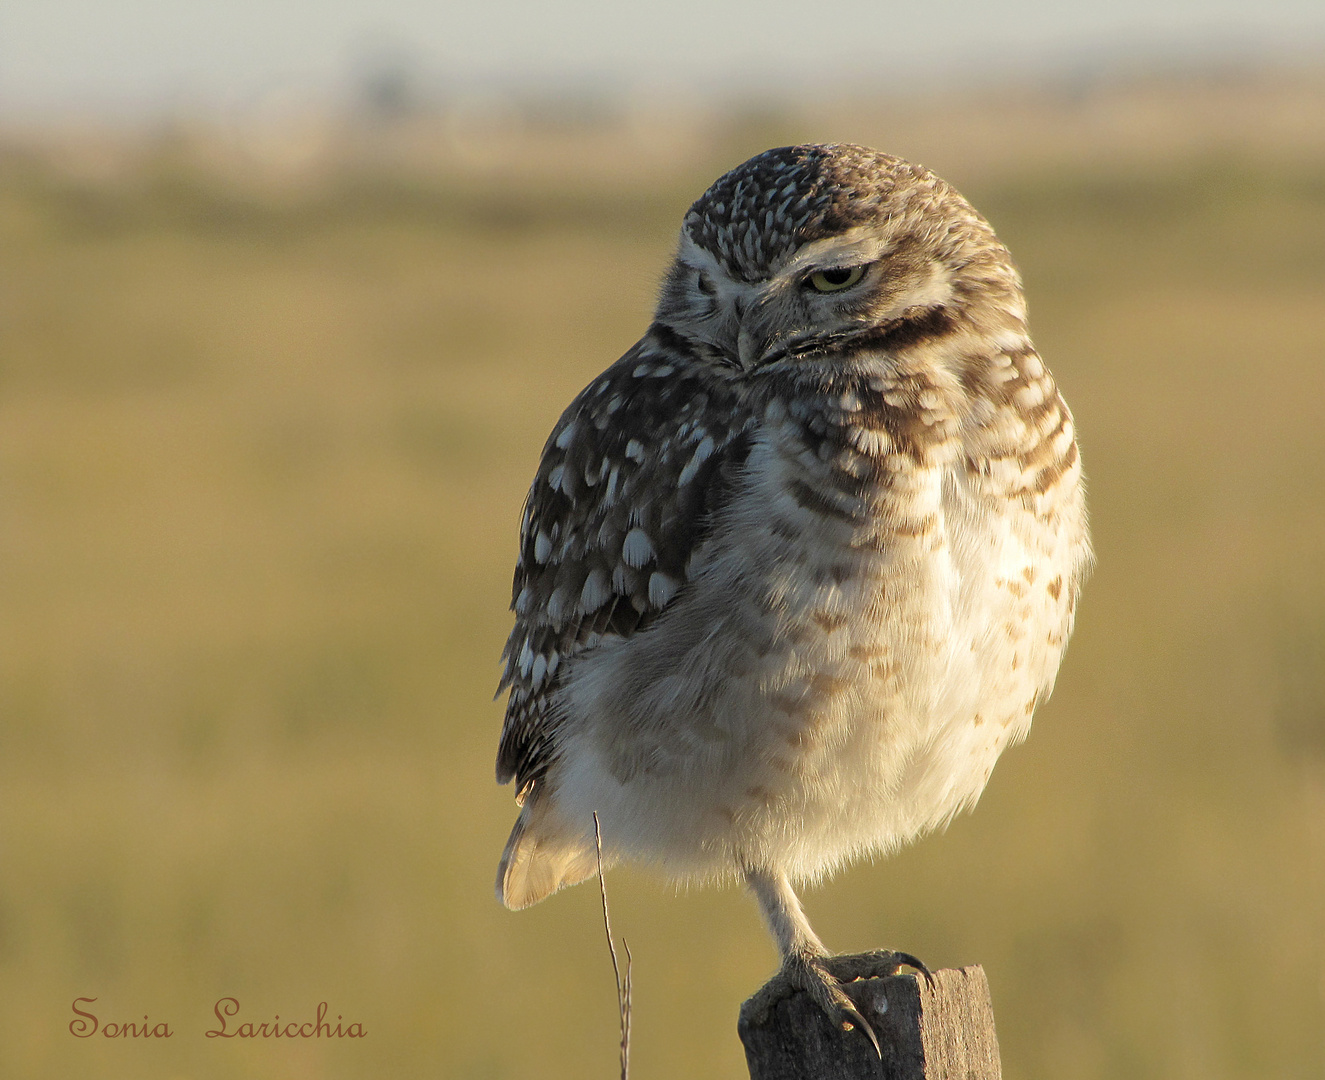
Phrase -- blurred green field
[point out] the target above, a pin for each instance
(261, 466)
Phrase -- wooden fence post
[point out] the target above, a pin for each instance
(939, 1030)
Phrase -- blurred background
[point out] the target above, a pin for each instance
(290, 294)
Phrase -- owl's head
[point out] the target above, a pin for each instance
(805, 248)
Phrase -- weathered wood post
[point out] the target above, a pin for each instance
(940, 1028)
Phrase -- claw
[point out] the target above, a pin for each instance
(861, 1024)
(911, 961)
(813, 974)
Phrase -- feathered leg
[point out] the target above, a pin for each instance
(806, 964)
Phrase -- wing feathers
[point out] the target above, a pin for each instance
(535, 865)
(627, 488)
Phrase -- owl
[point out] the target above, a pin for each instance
(797, 568)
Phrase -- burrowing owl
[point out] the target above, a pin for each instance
(797, 567)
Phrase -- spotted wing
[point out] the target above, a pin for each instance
(629, 480)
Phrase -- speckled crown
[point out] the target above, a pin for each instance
(758, 213)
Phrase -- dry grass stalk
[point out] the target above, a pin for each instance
(622, 984)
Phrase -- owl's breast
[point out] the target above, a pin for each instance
(860, 636)
(913, 613)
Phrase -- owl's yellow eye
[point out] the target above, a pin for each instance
(835, 280)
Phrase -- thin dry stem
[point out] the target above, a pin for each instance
(622, 985)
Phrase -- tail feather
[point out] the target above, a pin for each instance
(536, 863)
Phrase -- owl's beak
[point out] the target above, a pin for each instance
(754, 349)
(749, 349)
(756, 338)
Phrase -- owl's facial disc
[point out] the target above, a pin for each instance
(821, 294)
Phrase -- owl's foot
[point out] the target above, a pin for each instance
(876, 964)
(807, 965)
(813, 975)
(822, 977)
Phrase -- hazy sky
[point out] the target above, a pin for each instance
(151, 54)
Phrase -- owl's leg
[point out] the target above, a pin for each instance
(805, 961)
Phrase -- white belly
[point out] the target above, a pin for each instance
(817, 699)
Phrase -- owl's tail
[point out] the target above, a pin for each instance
(539, 860)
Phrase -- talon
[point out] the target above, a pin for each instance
(813, 974)
(911, 961)
(860, 1023)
